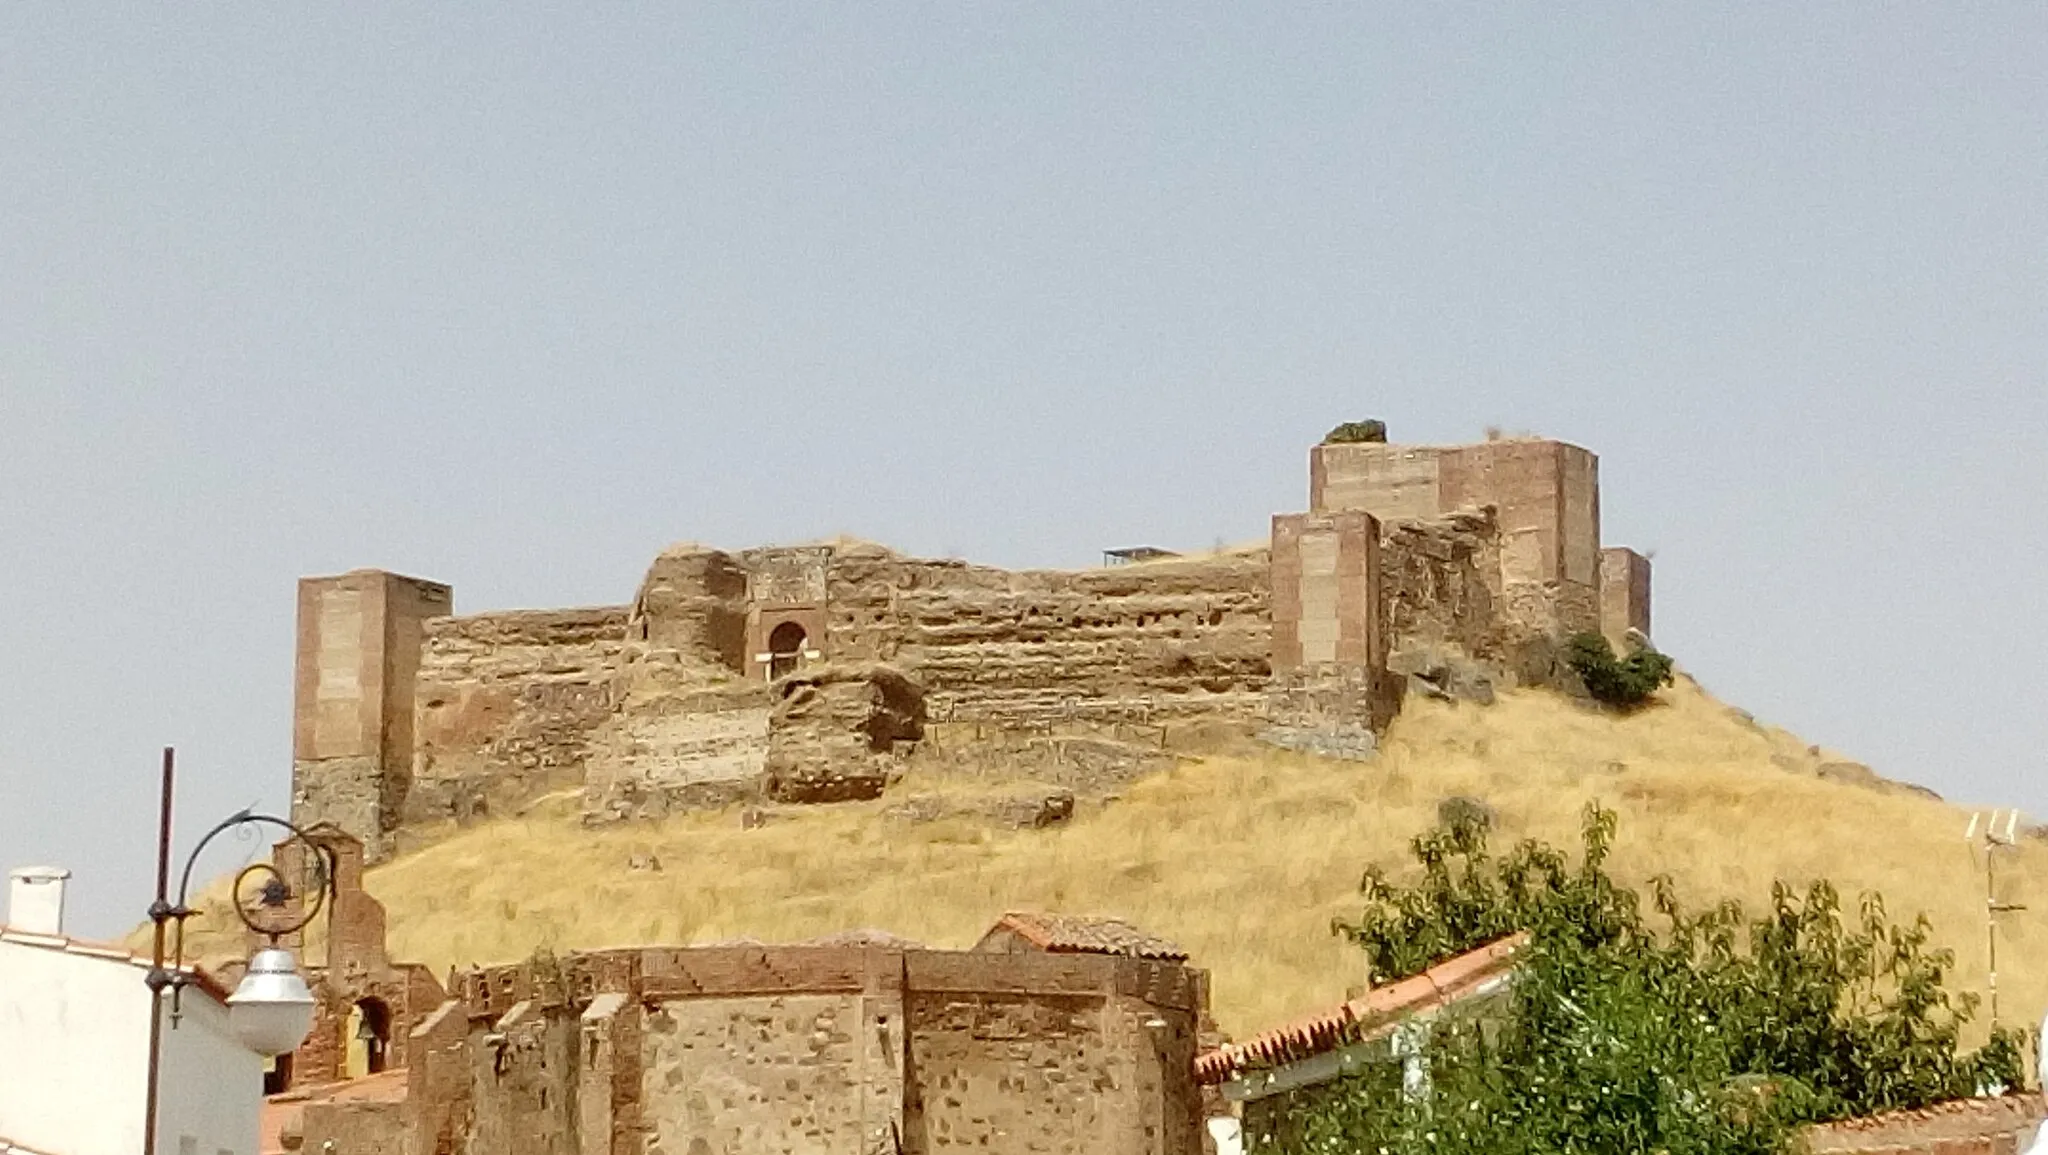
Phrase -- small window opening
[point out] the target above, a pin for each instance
(785, 649)
(277, 1076)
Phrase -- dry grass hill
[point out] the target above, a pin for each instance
(1244, 855)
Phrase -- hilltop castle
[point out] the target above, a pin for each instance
(806, 673)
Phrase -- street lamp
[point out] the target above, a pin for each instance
(271, 1011)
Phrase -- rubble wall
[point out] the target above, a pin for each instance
(1440, 584)
(1039, 1053)
(509, 706)
(815, 1050)
(779, 1074)
(522, 1083)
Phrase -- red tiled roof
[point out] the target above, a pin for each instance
(202, 978)
(1350, 1022)
(1086, 934)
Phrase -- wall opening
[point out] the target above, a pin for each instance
(369, 1039)
(785, 649)
(277, 1076)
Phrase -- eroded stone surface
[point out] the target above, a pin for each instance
(1434, 570)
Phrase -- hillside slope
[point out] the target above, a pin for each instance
(1243, 857)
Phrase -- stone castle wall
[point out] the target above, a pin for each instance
(1171, 636)
(509, 706)
(801, 672)
(1624, 593)
(359, 638)
(1544, 497)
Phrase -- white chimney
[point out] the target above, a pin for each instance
(35, 899)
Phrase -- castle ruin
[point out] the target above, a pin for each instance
(806, 673)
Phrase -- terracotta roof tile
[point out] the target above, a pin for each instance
(1441, 985)
(1086, 934)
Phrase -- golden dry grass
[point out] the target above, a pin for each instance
(1244, 859)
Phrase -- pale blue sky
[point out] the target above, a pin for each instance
(511, 295)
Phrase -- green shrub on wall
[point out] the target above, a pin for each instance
(1704, 1034)
(1357, 432)
(1624, 683)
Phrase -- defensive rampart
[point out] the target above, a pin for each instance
(806, 673)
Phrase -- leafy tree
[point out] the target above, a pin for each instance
(1708, 1034)
(1622, 682)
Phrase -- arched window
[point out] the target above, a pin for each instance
(785, 649)
(369, 1039)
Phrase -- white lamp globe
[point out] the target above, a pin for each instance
(271, 1012)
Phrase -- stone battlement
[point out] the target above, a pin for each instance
(806, 673)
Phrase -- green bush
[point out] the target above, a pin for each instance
(1621, 682)
(1707, 1034)
(1357, 432)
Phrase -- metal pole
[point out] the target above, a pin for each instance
(1991, 926)
(159, 913)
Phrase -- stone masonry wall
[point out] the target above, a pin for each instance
(1546, 501)
(816, 1050)
(509, 706)
(836, 730)
(1391, 482)
(1328, 644)
(662, 705)
(1041, 1055)
(523, 1083)
(1624, 593)
(353, 969)
(1178, 635)
(352, 735)
(1440, 585)
(651, 708)
(777, 1074)
(1326, 590)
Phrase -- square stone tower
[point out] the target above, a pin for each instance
(1546, 496)
(1624, 594)
(352, 711)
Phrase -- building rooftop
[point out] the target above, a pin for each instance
(203, 979)
(1381, 1009)
(1131, 553)
(1085, 934)
(283, 1114)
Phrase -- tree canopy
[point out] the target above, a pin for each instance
(1631, 1031)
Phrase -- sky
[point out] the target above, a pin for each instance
(512, 295)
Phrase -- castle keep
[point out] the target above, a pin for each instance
(807, 673)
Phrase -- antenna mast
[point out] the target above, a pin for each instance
(1994, 840)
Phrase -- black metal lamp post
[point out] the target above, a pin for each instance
(271, 1011)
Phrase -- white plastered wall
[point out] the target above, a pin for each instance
(74, 1059)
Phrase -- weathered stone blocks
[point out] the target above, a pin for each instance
(835, 731)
